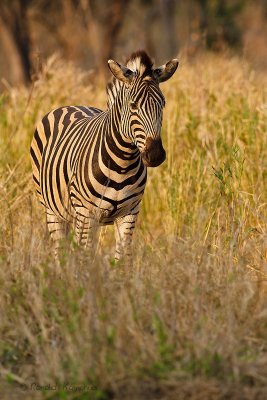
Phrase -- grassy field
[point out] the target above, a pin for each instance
(189, 319)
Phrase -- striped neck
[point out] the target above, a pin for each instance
(117, 142)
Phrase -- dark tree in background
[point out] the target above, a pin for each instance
(160, 15)
(103, 20)
(167, 8)
(219, 22)
(15, 38)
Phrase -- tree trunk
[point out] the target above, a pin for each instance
(104, 20)
(15, 37)
(168, 19)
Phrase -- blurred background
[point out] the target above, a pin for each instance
(89, 32)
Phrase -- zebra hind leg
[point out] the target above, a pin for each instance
(58, 230)
(124, 228)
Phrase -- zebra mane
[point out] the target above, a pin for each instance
(138, 61)
(113, 88)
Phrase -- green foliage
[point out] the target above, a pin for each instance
(165, 350)
(230, 174)
(210, 365)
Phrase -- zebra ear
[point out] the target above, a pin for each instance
(120, 72)
(165, 72)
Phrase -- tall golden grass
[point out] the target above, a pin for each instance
(188, 320)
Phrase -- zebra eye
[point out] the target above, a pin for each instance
(133, 106)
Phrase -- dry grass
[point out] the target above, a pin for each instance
(188, 321)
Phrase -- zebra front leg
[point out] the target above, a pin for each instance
(58, 230)
(124, 228)
(86, 231)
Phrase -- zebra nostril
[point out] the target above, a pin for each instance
(154, 153)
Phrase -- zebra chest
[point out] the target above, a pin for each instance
(108, 196)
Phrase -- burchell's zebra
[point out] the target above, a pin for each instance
(90, 166)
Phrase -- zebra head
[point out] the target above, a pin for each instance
(142, 103)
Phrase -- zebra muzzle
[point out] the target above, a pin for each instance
(154, 153)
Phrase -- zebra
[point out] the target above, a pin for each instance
(90, 166)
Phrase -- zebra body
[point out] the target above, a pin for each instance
(90, 166)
